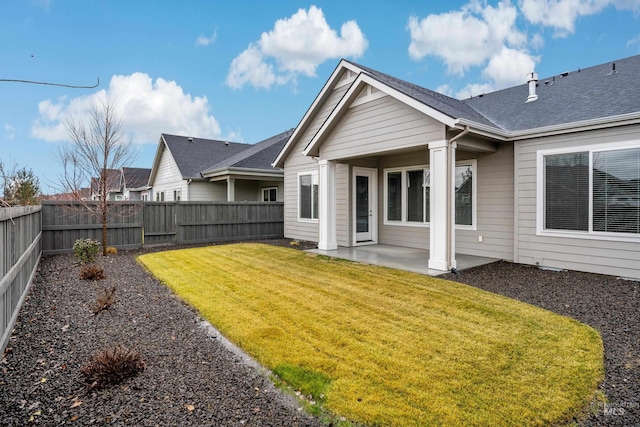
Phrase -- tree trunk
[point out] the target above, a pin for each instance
(104, 227)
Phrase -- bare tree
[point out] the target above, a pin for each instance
(95, 149)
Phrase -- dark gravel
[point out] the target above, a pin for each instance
(192, 378)
(608, 304)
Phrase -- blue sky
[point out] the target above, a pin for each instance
(244, 71)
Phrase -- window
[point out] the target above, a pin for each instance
(270, 194)
(119, 197)
(593, 191)
(408, 192)
(308, 196)
(177, 195)
(160, 196)
(145, 197)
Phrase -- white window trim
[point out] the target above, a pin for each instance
(314, 177)
(177, 195)
(263, 189)
(540, 192)
(404, 222)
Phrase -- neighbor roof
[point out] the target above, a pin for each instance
(136, 177)
(193, 155)
(259, 156)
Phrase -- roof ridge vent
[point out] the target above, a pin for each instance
(190, 139)
(613, 69)
(532, 79)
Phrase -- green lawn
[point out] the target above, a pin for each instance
(385, 347)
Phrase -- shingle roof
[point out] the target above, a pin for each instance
(452, 107)
(136, 177)
(193, 155)
(259, 156)
(587, 94)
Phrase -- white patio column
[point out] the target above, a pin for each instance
(231, 190)
(327, 205)
(442, 160)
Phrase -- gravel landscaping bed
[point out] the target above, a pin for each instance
(608, 304)
(192, 378)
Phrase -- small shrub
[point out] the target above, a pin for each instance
(104, 301)
(86, 250)
(92, 272)
(112, 366)
(111, 250)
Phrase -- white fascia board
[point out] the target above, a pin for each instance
(584, 125)
(326, 90)
(156, 159)
(350, 96)
(244, 173)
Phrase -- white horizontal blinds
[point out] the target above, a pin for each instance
(415, 196)
(394, 196)
(464, 195)
(616, 191)
(567, 191)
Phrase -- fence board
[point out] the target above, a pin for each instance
(21, 245)
(134, 224)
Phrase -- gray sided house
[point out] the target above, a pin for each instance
(545, 173)
(196, 169)
(135, 183)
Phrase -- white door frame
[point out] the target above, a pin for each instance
(372, 174)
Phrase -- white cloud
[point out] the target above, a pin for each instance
(477, 35)
(562, 15)
(635, 40)
(465, 38)
(295, 45)
(11, 131)
(474, 90)
(206, 41)
(537, 41)
(147, 108)
(509, 68)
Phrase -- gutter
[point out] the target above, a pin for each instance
(584, 125)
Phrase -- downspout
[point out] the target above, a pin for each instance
(451, 223)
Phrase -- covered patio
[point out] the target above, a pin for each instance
(401, 258)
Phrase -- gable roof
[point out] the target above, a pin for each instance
(259, 156)
(447, 105)
(597, 96)
(136, 177)
(193, 155)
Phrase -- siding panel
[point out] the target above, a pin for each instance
(591, 255)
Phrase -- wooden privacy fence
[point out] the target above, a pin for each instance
(134, 224)
(20, 246)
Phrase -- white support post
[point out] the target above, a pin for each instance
(442, 206)
(327, 205)
(231, 190)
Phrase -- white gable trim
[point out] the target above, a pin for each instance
(351, 95)
(331, 83)
(162, 145)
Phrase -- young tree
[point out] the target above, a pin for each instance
(26, 188)
(95, 148)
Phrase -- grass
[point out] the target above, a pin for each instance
(385, 347)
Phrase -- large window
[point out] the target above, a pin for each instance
(308, 196)
(407, 195)
(592, 191)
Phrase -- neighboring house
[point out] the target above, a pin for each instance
(114, 186)
(135, 183)
(194, 169)
(545, 173)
